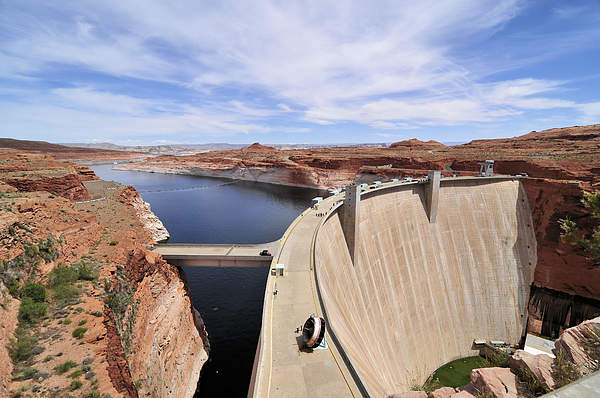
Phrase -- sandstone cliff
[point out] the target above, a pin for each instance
(8, 316)
(35, 172)
(144, 214)
(142, 335)
(171, 346)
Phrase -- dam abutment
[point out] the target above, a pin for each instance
(422, 288)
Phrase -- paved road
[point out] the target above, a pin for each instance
(285, 368)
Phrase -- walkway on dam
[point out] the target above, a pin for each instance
(285, 368)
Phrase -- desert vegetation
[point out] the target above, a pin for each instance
(572, 234)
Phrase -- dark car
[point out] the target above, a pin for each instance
(265, 253)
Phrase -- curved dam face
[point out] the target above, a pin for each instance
(419, 293)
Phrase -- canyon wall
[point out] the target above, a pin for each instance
(143, 337)
(169, 342)
(144, 214)
(419, 293)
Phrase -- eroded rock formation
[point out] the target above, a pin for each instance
(143, 336)
(28, 172)
(582, 345)
(144, 214)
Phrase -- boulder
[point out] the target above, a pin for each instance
(499, 382)
(410, 394)
(444, 392)
(540, 365)
(469, 389)
(462, 394)
(574, 341)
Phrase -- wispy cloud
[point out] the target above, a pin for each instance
(211, 69)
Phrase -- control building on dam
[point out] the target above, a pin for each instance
(410, 274)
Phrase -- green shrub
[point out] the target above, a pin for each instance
(85, 271)
(113, 243)
(62, 274)
(82, 322)
(79, 332)
(93, 394)
(75, 385)
(65, 367)
(48, 358)
(25, 375)
(67, 321)
(118, 302)
(32, 250)
(97, 313)
(533, 384)
(76, 374)
(497, 360)
(65, 293)
(564, 371)
(35, 290)
(13, 289)
(24, 387)
(30, 311)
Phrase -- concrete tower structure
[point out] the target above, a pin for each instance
(433, 194)
(351, 218)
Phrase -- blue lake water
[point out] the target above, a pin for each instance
(229, 299)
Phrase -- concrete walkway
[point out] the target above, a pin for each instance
(537, 345)
(284, 367)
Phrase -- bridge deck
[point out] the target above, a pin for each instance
(217, 255)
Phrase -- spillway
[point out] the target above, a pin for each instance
(418, 291)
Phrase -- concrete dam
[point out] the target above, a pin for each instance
(422, 288)
(406, 276)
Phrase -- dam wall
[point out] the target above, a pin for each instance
(419, 292)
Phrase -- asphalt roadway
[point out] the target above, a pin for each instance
(285, 367)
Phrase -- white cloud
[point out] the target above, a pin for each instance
(246, 66)
(590, 109)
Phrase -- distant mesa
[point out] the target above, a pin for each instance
(256, 147)
(575, 133)
(414, 143)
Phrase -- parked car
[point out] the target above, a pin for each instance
(265, 253)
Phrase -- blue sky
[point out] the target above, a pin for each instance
(146, 72)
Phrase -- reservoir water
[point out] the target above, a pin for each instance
(210, 210)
